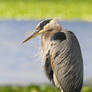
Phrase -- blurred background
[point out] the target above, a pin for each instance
(21, 67)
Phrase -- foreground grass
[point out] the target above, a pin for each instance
(38, 9)
(35, 88)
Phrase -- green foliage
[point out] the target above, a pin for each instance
(38, 9)
(33, 88)
(48, 88)
(36, 88)
(87, 89)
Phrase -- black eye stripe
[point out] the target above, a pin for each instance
(43, 23)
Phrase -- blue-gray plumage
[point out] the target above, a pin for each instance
(62, 56)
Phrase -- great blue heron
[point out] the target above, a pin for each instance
(62, 54)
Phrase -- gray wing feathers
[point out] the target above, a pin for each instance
(67, 61)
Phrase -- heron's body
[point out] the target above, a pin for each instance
(62, 56)
(63, 61)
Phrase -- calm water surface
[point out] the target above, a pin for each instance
(20, 63)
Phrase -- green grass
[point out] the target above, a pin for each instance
(39, 9)
(36, 88)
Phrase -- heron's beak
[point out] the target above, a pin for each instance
(34, 35)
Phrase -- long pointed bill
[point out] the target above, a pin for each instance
(33, 35)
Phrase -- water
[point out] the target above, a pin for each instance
(20, 63)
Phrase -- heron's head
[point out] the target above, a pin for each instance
(49, 25)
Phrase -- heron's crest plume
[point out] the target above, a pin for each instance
(48, 24)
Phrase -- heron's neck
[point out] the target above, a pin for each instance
(45, 40)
